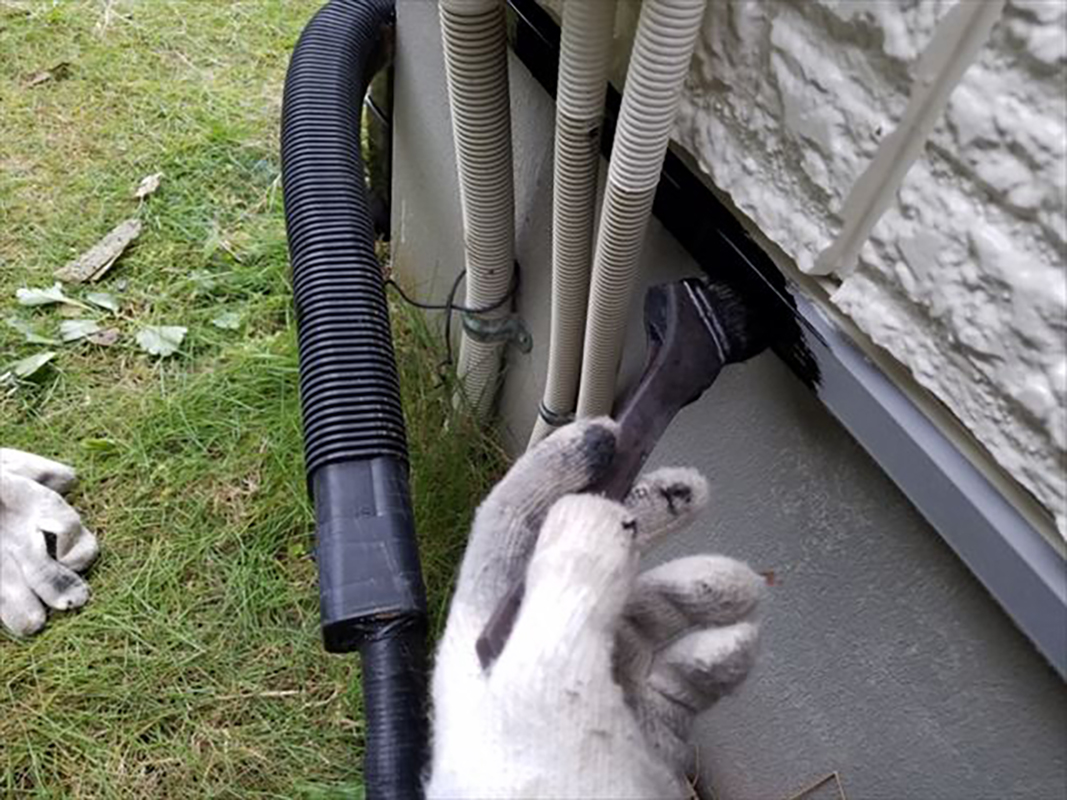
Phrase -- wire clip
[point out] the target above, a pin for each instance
(509, 328)
(554, 418)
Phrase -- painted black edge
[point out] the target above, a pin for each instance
(1012, 559)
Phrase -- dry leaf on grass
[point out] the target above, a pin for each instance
(104, 300)
(148, 185)
(161, 340)
(104, 338)
(227, 320)
(72, 330)
(46, 297)
(59, 72)
(97, 260)
(28, 331)
(29, 366)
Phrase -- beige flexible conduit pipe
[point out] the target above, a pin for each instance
(476, 67)
(585, 54)
(666, 35)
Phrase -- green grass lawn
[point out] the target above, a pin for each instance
(196, 670)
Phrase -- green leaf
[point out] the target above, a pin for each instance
(161, 340)
(227, 320)
(29, 366)
(203, 281)
(71, 330)
(46, 297)
(100, 445)
(104, 300)
(28, 331)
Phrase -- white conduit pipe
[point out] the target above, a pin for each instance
(585, 54)
(476, 66)
(663, 47)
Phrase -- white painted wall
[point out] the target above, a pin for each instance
(963, 279)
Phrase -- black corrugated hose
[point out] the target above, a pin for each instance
(372, 597)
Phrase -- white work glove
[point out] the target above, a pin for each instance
(595, 691)
(33, 515)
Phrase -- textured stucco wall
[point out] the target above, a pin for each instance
(963, 279)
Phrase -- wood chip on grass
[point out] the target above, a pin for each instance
(59, 72)
(148, 185)
(97, 260)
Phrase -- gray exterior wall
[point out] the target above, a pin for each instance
(884, 659)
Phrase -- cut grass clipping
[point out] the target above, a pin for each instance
(197, 668)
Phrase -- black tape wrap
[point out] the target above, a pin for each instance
(372, 597)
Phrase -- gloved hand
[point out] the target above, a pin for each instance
(31, 512)
(596, 689)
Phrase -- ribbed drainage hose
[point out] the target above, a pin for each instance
(370, 586)
(585, 54)
(476, 66)
(663, 47)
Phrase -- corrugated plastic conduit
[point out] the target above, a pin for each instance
(663, 47)
(475, 47)
(370, 585)
(585, 55)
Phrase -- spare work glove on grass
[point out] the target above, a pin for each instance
(34, 517)
(596, 689)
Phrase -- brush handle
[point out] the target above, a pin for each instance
(666, 386)
(688, 345)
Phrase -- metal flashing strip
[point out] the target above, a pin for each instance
(1009, 556)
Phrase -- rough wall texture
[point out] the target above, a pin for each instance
(963, 279)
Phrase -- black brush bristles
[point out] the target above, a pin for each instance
(729, 320)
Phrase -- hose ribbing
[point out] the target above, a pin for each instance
(663, 48)
(475, 48)
(371, 595)
(585, 53)
(348, 381)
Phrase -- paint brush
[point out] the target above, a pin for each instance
(694, 328)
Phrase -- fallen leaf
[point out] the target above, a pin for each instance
(29, 366)
(98, 259)
(204, 281)
(15, 8)
(59, 72)
(148, 185)
(216, 241)
(105, 338)
(46, 297)
(72, 330)
(227, 320)
(161, 340)
(104, 300)
(28, 331)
